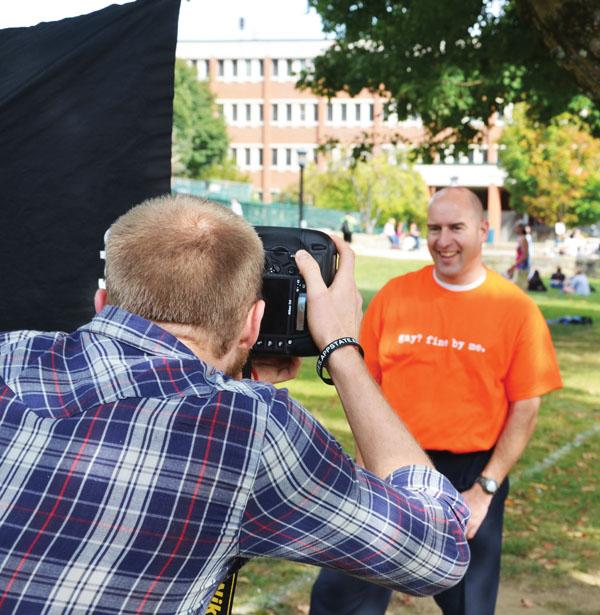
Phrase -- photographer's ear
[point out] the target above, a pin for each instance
(99, 300)
(252, 325)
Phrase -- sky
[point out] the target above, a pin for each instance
(198, 19)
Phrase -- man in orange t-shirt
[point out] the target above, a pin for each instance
(463, 356)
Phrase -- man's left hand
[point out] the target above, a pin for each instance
(479, 502)
(275, 369)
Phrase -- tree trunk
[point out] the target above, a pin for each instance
(571, 31)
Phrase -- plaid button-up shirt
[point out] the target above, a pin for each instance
(133, 476)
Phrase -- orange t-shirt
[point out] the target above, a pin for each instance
(450, 362)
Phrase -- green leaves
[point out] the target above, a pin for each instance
(552, 169)
(445, 61)
(199, 134)
(371, 185)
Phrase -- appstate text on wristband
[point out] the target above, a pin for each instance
(324, 356)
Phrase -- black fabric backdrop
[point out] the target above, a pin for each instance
(85, 133)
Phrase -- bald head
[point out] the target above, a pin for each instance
(456, 229)
(462, 197)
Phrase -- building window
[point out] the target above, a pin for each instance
(303, 113)
(234, 68)
(261, 68)
(261, 113)
(234, 116)
(288, 156)
(357, 110)
(220, 110)
(220, 68)
(273, 156)
(275, 64)
(329, 112)
(247, 154)
(249, 68)
(206, 64)
(316, 155)
(248, 113)
(260, 156)
(274, 112)
(233, 154)
(290, 67)
(344, 111)
(288, 112)
(371, 112)
(316, 112)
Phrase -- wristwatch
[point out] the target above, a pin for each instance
(489, 485)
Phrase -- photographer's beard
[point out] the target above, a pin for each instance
(234, 369)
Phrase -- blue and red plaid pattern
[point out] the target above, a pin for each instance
(133, 477)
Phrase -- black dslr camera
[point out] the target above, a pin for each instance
(284, 328)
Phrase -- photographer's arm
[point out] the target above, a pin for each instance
(333, 313)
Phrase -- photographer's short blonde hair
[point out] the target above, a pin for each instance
(179, 259)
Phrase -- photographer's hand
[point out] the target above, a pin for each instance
(275, 370)
(336, 311)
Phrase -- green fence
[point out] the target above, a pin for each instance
(260, 214)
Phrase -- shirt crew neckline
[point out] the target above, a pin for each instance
(460, 288)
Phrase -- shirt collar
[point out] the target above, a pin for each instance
(459, 288)
(138, 332)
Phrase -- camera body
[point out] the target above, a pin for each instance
(284, 328)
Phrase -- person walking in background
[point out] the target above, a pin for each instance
(463, 356)
(415, 233)
(522, 263)
(530, 246)
(236, 207)
(348, 224)
(389, 230)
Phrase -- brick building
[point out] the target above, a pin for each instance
(269, 120)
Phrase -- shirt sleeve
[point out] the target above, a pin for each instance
(311, 503)
(533, 369)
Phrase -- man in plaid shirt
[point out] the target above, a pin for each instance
(137, 467)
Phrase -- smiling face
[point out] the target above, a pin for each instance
(455, 231)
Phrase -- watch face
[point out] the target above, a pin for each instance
(489, 484)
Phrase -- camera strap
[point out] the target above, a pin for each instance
(222, 601)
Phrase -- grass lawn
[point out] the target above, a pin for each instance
(552, 533)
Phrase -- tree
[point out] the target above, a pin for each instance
(227, 170)
(455, 64)
(199, 134)
(570, 30)
(373, 186)
(552, 170)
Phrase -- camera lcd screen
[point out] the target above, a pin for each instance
(276, 293)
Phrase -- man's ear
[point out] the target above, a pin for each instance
(484, 230)
(252, 325)
(99, 300)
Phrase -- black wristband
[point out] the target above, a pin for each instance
(322, 360)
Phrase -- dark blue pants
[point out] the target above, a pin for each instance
(335, 593)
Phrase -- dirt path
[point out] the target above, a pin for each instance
(577, 599)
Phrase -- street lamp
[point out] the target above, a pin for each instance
(301, 153)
